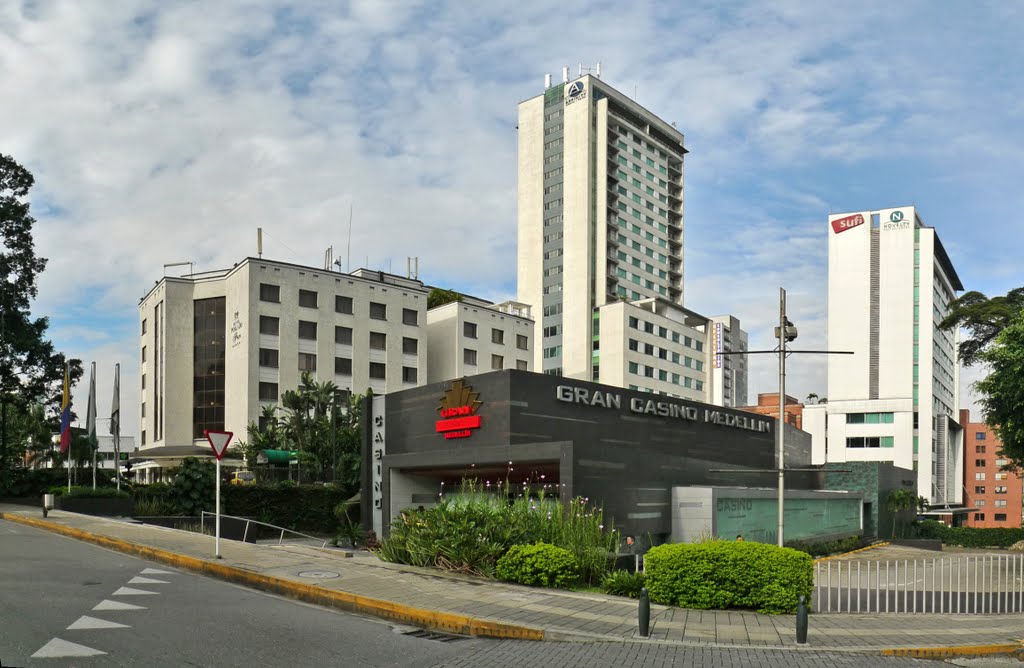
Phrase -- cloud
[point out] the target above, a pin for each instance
(167, 132)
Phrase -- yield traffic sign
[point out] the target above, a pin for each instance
(219, 442)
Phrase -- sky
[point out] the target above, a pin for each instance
(163, 132)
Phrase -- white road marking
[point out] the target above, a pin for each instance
(58, 649)
(156, 571)
(128, 591)
(146, 581)
(86, 622)
(117, 605)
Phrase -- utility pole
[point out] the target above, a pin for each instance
(783, 333)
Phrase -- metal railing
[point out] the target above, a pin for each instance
(249, 522)
(974, 585)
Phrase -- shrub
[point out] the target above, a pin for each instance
(724, 574)
(82, 491)
(539, 564)
(968, 536)
(301, 508)
(192, 490)
(623, 583)
(32, 483)
(827, 548)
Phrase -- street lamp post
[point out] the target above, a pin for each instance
(785, 332)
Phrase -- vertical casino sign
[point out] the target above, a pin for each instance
(378, 445)
(458, 411)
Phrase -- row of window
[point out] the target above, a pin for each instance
(998, 503)
(626, 178)
(639, 170)
(869, 418)
(342, 367)
(662, 353)
(1001, 489)
(650, 328)
(981, 463)
(870, 442)
(998, 517)
(309, 299)
(469, 358)
(665, 376)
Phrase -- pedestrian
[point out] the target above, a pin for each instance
(739, 538)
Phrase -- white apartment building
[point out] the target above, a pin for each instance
(652, 345)
(217, 346)
(728, 372)
(472, 336)
(600, 221)
(896, 398)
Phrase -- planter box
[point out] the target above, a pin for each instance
(111, 507)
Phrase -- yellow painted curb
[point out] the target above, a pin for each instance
(946, 652)
(432, 619)
(862, 549)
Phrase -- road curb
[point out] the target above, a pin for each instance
(955, 651)
(432, 619)
(844, 554)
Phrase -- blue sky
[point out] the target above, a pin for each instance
(160, 132)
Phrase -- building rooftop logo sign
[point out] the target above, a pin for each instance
(575, 92)
(847, 223)
(896, 216)
(458, 411)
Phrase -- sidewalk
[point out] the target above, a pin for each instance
(361, 583)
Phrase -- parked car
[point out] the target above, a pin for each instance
(243, 478)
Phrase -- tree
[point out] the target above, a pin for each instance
(30, 369)
(984, 318)
(898, 501)
(440, 297)
(1002, 390)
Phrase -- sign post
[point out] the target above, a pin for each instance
(219, 442)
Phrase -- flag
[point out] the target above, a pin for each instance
(65, 413)
(90, 417)
(115, 404)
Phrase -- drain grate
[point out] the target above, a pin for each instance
(433, 635)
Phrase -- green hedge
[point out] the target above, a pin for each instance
(32, 483)
(968, 536)
(302, 508)
(83, 491)
(539, 565)
(827, 548)
(726, 574)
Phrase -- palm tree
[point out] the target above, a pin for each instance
(898, 501)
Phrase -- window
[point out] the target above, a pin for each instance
(143, 325)
(269, 357)
(378, 370)
(378, 341)
(269, 325)
(469, 330)
(979, 449)
(1002, 462)
(378, 311)
(143, 409)
(307, 298)
(999, 503)
(469, 356)
(979, 489)
(1000, 517)
(343, 305)
(979, 503)
(143, 353)
(307, 330)
(979, 476)
(498, 336)
(409, 374)
(270, 293)
(1001, 475)
(497, 362)
(1001, 489)
(980, 463)
(410, 346)
(143, 381)
(979, 436)
(343, 366)
(143, 437)
(522, 365)
(343, 335)
(307, 362)
(979, 517)
(410, 317)
(268, 391)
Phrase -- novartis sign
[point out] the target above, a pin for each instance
(661, 408)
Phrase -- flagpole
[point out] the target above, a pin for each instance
(115, 424)
(67, 399)
(90, 421)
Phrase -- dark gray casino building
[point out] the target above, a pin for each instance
(626, 450)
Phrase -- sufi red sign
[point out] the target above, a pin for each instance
(847, 223)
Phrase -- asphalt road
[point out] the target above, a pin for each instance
(62, 603)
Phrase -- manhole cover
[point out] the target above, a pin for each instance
(433, 635)
(318, 575)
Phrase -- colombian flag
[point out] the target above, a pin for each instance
(65, 415)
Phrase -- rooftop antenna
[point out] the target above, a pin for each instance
(259, 242)
(595, 70)
(565, 75)
(412, 267)
(328, 258)
(547, 81)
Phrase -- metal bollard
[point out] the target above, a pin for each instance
(47, 504)
(644, 612)
(801, 621)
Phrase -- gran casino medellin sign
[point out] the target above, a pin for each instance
(575, 92)
(458, 411)
(661, 407)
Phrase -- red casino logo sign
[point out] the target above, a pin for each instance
(458, 411)
(848, 223)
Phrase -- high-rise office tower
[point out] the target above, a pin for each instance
(896, 398)
(600, 233)
(728, 372)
